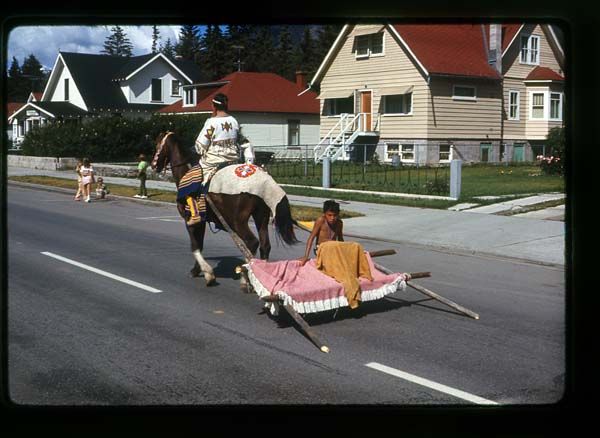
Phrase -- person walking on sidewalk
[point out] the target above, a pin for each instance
(87, 178)
(79, 186)
(142, 167)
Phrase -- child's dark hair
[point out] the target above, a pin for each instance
(331, 205)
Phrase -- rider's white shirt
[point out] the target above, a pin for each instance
(217, 142)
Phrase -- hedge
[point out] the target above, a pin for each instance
(109, 138)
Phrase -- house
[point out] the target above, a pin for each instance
(84, 85)
(428, 93)
(267, 106)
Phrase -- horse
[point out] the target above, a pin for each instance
(236, 210)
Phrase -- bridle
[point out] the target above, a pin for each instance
(159, 152)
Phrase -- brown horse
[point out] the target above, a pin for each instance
(236, 210)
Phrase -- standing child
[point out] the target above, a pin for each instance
(327, 227)
(142, 166)
(87, 178)
(79, 186)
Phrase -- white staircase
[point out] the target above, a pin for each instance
(336, 143)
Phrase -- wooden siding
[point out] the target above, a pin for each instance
(58, 93)
(515, 129)
(138, 89)
(271, 129)
(451, 118)
(393, 69)
(511, 64)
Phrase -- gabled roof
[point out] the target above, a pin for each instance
(51, 109)
(441, 49)
(95, 77)
(12, 107)
(187, 68)
(544, 74)
(253, 92)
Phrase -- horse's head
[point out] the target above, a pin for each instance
(161, 155)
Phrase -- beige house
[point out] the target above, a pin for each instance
(428, 93)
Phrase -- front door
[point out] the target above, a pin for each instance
(365, 109)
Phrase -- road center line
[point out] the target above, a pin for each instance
(100, 272)
(430, 384)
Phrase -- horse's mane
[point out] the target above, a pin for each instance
(187, 154)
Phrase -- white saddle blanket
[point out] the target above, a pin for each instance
(247, 178)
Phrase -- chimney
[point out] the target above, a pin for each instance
(495, 52)
(301, 80)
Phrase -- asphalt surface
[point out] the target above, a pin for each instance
(80, 338)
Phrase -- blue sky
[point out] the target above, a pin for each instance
(45, 41)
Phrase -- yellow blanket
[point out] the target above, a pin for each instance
(345, 262)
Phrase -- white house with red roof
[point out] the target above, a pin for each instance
(268, 107)
(429, 93)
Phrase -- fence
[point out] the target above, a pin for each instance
(364, 171)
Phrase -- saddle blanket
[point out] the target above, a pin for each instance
(309, 290)
(191, 193)
(247, 178)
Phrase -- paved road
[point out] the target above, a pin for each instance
(78, 338)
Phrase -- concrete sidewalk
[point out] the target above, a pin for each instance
(522, 237)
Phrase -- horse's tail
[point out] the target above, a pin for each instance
(284, 224)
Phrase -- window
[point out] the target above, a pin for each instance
(391, 150)
(555, 106)
(530, 49)
(407, 152)
(66, 89)
(513, 105)
(175, 87)
(293, 132)
(461, 92)
(486, 151)
(335, 107)
(368, 45)
(156, 90)
(445, 152)
(397, 104)
(537, 105)
(189, 97)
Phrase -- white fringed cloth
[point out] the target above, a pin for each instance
(308, 290)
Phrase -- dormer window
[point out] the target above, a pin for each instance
(189, 97)
(175, 87)
(369, 45)
(530, 49)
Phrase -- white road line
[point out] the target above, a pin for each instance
(430, 384)
(159, 217)
(106, 274)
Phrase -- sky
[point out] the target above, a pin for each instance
(45, 41)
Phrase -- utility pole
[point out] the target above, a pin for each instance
(239, 61)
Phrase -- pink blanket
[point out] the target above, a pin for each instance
(309, 290)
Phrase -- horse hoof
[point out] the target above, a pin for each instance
(210, 279)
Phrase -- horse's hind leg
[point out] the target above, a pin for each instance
(261, 219)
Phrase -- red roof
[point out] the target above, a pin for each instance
(38, 95)
(12, 107)
(454, 49)
(544, 74)
(254, 92)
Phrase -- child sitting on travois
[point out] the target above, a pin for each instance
(101, 189)
(327, 227)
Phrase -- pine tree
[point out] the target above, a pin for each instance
(14, 82)
(168, 49)
(262, 49)
(325, 38)
(33, 73)
(189, 43)
(285, 60)
(155, 38)
(307, 59)
(215, 53)
(237, 41)
(117, 44)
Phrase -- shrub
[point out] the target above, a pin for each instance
(554, 164)
(109, 138)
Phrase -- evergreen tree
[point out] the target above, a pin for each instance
(168, 49)
(117, 44)
(15, 84)
(216, 55)
(326, 36)
(189, 43)
(240, 37)
(155, 38)
(306, 55)
(33, 73)
(14, 71)
(285, 61)
(262, 49)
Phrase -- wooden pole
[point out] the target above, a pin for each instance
(383, 252)
(430, 293)
(248, 256)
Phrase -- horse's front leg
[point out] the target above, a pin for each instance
(196, 233)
